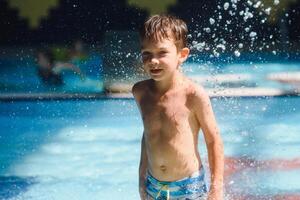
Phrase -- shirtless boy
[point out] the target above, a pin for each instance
(173, 110)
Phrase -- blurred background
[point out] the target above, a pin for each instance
(93, 46)
(70, 129)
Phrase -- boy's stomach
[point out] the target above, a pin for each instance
(171, 163)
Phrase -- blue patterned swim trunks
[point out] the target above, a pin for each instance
(188, 188)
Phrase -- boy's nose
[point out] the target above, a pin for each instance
(154, 61)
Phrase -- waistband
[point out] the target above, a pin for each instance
(191, 187)
(194, 177)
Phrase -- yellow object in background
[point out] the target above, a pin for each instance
(153, 6)
(33, 10)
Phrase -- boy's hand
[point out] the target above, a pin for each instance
(215, 194)
(143, 194)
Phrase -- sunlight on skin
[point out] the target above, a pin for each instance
(33, 10)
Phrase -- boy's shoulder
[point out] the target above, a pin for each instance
(140, 87)
(195, 89)
(196, 93)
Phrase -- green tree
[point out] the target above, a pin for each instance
(33, 10)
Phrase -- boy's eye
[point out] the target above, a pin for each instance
(162, 52)
(146, 55)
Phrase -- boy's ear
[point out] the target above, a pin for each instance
(184, 53)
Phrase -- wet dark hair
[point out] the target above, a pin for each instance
(48, 54)
(159, 27)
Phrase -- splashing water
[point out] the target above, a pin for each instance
(219, 28)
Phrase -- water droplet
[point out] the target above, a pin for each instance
(237, 53)
(207, 30)
(216, 54)
(226, 5)
(253, 34)
(221, 46)
(258, 4)
(127, 55)
(247, 15)
(268, 11)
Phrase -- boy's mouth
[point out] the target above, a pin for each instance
(155, 71)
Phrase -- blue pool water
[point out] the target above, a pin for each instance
(19, 75)
(90, 149)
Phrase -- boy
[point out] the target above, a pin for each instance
(50, 71)
(45, 61)
(173, 110)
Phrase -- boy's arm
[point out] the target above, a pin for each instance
(59, 67)
(206, 118)
(136, 91)
(143, 170)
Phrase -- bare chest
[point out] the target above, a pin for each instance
(164, 114)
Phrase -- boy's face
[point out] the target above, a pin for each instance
(161, 59)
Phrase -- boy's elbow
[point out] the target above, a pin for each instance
(216, 143)
(219, 145)
(218, 140)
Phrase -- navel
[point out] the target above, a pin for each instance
(163, 168)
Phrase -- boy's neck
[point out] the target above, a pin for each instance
(166, 85)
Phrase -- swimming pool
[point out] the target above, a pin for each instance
(90, 149)
(19, 75)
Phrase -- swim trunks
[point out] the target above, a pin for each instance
(188, 188)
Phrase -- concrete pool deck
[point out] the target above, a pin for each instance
(124, 91)
(218, 85)
(241, 91)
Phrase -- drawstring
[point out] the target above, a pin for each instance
(166, 188)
